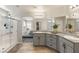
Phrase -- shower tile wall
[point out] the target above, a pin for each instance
(8, 32)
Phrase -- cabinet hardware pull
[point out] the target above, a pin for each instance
(64, 45)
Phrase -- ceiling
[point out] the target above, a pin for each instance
(31, 10)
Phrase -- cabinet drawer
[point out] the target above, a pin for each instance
(52, 45)
(51, 40)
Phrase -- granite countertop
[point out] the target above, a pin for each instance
(69, 37)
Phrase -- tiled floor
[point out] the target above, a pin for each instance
(27, 47)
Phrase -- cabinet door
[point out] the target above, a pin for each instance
(39, 39)
(64, 46)
(54, 43)
(61, 45)
(68, 46)
(68, 49)
(36, 40)
(48, 39)
(42, 40)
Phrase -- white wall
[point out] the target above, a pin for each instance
(60, 11)
(19, 30)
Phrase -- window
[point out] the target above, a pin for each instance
(24, 23)
(51, 22)
(29, 25)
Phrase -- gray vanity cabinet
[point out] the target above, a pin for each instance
(60, 46)
(61, 43)
(50, 41)
(65, 46)
(38, 39)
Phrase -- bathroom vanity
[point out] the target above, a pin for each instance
(63, 43)
(68, 43)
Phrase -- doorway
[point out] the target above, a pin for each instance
(27, 34)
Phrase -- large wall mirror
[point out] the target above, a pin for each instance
(77, 25)
(72, 24)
